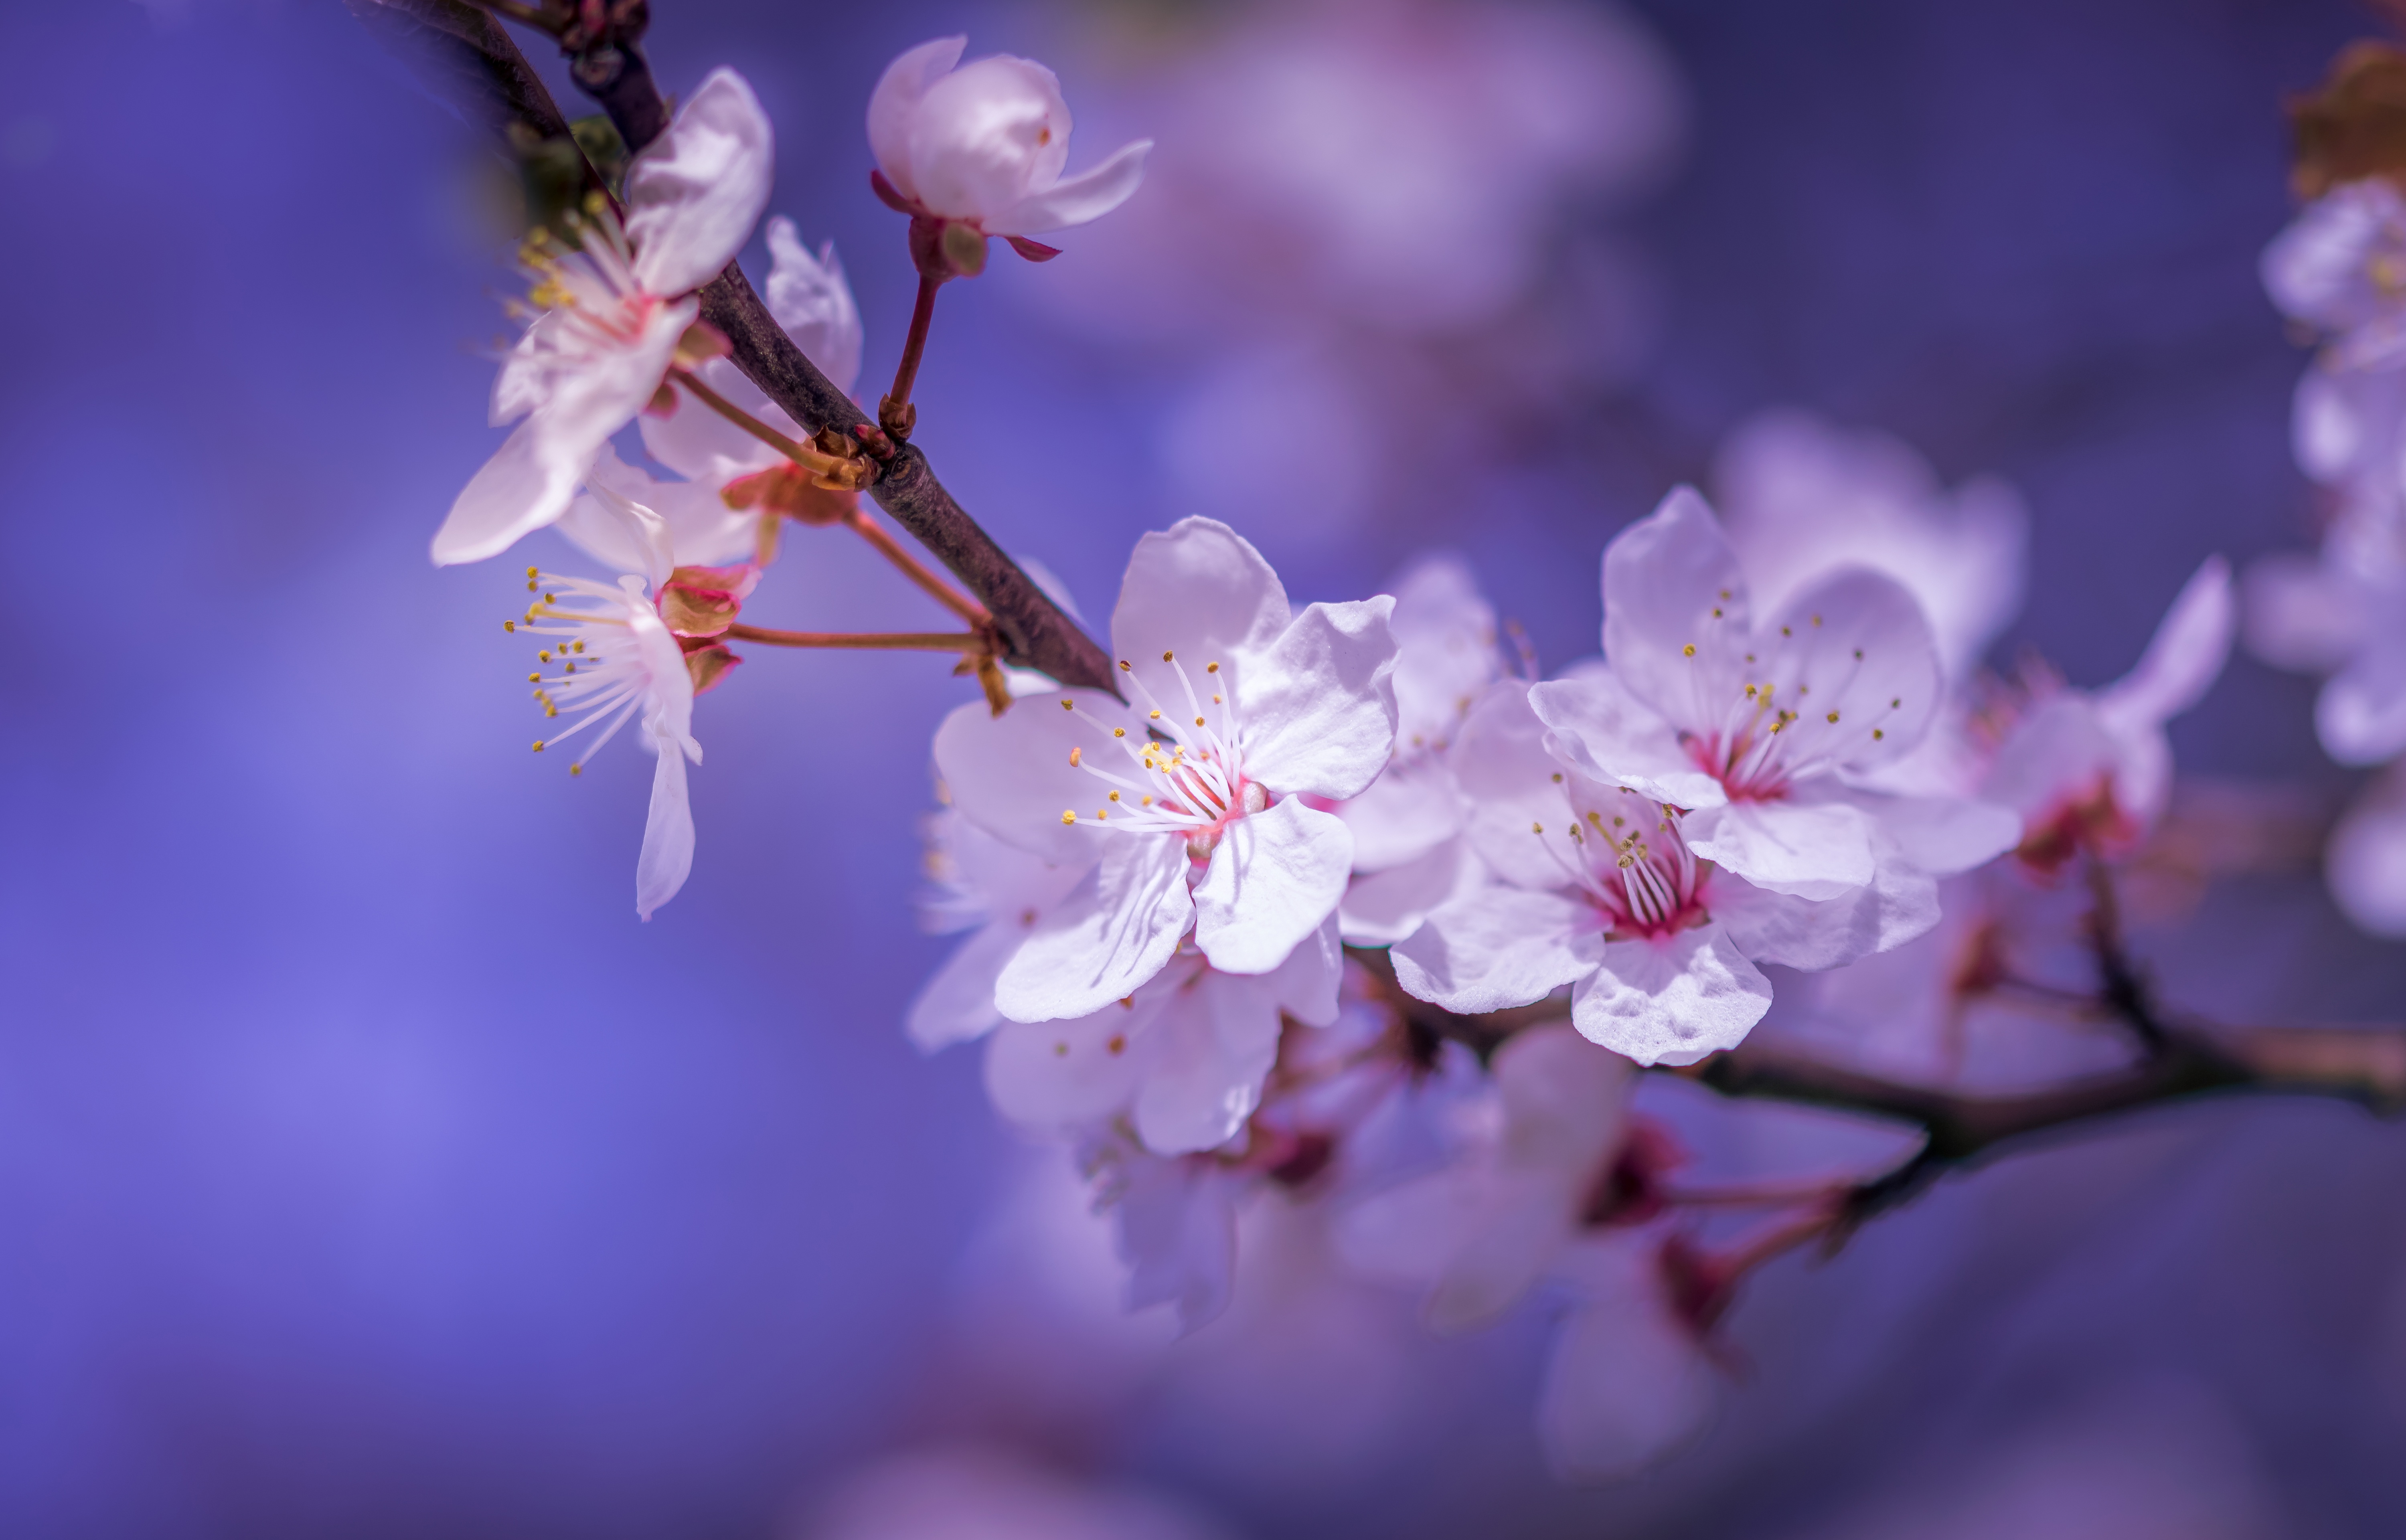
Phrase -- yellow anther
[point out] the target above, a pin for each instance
(1834, 718)
(1618, 821)
(1537, 828)
(530, 585)
(551, 599)
(1785, 631)
(1069, 705)
(1102, 812)
(1816, 620)
(1119, 732)
(1211, 668)
(1115, 797)
(509, 626)
(1126, 667)
(1156, 716)
(535, 679)
(1074, 755)
(538, 745)
(575, 770)
(534, 571)
(1895, 703)
(1148, 799)
(544, 655)
(1215, 701)
(1198, 721)
(1557, 778)
(580, 646)
(1717, 612)
(1687, 651)
(1165, 655)
(1117, 1045)
(1069, 815)
(1725, 593)
(549, 710)
(1060, 1050)
(1878, 735)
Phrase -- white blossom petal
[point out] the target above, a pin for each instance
(2362, 714)
(1854, 659)
(1813, 848)
(1628, 1382)
(1076, 200)
(1408, 812)
(896, 100)
(986, 136)
(811, 299)
(1276, 878)
(1672, 1001)
(2365, 863)
(1320, 703)
(1198, 589)
(667, 858)
(1899, 904)
(1115, 930)
(1497, 948)
(1212, 1046)
(1382, 908)
(1010, 774)
(1178, 1236)
(1597, 726)
(2183, 659)
(1677, 625)
(694, 193)
(1944, 834)
(956, 1003)
(2302, 615)
(1063, 1075)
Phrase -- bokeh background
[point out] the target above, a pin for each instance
(367, 1170)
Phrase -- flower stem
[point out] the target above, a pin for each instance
(925, 641)
(895, 414)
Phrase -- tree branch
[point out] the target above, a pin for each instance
(461, 54)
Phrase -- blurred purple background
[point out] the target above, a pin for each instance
(365, 1170)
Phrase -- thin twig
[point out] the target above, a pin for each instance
(944, 593)
(926, 641)
(895, 410)
(808, 459)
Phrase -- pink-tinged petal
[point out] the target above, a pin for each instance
(1899, 904)
(1076, 200)
(1178, 1236)
(2183, 659)
(2362, 714)
(1628, 1382)
(1565, 1102)
(2302, 615)
(1410, 1233)
(1854, 661)
(956, 1003)
(811, 301)
(523, 382)
(895, 101)
(607, 533)
(2058, 752)
(667, 856)
(1523, 1221)
(1445, 652)
(1944, 834)
(1411, 810)
(1305, 986)
(1212, 1046)
(533, 477)
(2319, 270)
(1116, 930)
(1677, 626)
(1010, 774)
(1275, 877)
(1198, 589)
(1509, 783)
(1069, 1074)
(701, 445)
(1672, 1001)
(1816, 848)
(1385, 907)
(1600, 729)
(1319, 705)
(2365, 863)
(1498, 948)
(694, 193)
(986, 136)
(2328, 432)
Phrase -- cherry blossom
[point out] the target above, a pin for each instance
(980, 147)
(1182, 1058)
(1408, 853)
(1803, 500)
(2093, 770)
(1556, 1184)
(997, 891)
(617, 661)
(1190, 789)
(613, 313)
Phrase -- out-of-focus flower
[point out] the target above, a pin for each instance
(2328, 616)
(1557, 1184)
(2340, 268)
(1194, 792)
(1174, 1225)
(1804, 498)
(981, 149)
(974, 1493)
(1183, 1057)
(998, 891)
(1408, 853)
(2093, 770)
(614, 313)
(616, 662)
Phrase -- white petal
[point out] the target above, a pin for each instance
(1275, 877)
(1509, 783)
(1010, 774)
(1213, 1045)
(2302, 615)
(1383, 908)
(1305, 986)
(2319, 269)
(1898, 904)
(1113, 932)
(1409, 810)
(667, 856)
(1673, 1000)
(1565, 1102)
(1523, 1220)
(986, 136)
(1816, 848)
(2366, 864)
(1497, 948)
(896, 100)
(2183, 659)
(1201, 590)
(694, 193)
(956, 1003)
(811, 301)
(1445, 650)
(1319, 705)
(1600, 729)
(2058, 752)
(1178, 1236)
(701, 445)
(1069, 1074)
(1944, 834)
(1677, 626)
(1854, 659)
(1076, 200)
(1628, 1383)
(524, 380)
(2362, 714)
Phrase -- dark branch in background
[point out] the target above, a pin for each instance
(460, 53)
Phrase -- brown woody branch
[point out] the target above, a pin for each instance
(464, 55)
